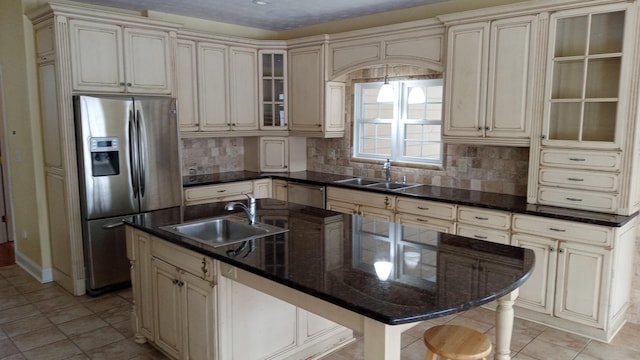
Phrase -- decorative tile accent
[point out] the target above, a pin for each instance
(212, 155)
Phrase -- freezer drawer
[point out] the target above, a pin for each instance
(106, 255)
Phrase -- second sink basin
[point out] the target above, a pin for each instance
(375, 184)
(223, 230)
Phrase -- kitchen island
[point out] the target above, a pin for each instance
(326, 264)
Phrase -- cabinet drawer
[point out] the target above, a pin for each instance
(588, 180)
(213, 193)
(439, 225)
(576, 199)
(600, 160)
(189, 261)
(427, 208)
(381, 201)
(487, 218)
(480, 233)
(562, 230)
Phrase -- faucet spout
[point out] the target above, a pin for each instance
(387, 169)
(249, 209)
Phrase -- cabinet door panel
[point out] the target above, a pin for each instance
(167, 308)
(510, 68)
(96, 56)
(243, 95)
(466, 80)
(212, 85)
(187, 85)
(538, 291)
(306, 84)
(582, 283)
(200, 312)
(148, 61)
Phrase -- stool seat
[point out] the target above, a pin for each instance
(454, 342)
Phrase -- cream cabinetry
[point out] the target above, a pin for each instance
(432, 215)
(272, 65)
(218, 81)
(586, 155)
(573, 283)
(280, 189)
(174, 297)
(262, 188)
(275, 154)
(484, 224)
(490, 81)
(362, 203)
(216, 193)
(108, 57)
(316, 106)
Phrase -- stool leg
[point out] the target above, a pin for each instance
(430, 355)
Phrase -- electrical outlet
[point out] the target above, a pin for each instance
(332, 154)
(24, 234)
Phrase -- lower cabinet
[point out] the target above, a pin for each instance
(185, 309)
(581, 280)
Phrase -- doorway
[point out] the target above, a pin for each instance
(6, 242)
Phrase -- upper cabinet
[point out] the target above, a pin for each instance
(586, 156)
(583, 98)
(490, 81)
(218, 81)
(273, 89)
(112, 58)
(316, 106)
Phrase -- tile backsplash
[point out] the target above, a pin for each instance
(212, 155)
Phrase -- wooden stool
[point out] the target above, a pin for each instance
(453, 342)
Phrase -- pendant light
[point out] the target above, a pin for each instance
(416, 96)
(387, 92)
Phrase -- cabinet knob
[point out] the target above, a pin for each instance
(543, 137)
(121, 84)
(561, 250)
(128, 84)
(486, 128)
(479, 127)
(551, 249)
(175, 282)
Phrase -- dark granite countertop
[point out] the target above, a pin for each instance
(428, 277)
(488, 200)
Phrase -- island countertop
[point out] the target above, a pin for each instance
(331, 256)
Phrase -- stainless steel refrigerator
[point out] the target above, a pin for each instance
(128, 163)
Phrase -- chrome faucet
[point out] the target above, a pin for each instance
(249, 209)
(387, 169)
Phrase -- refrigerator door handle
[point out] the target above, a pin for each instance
(133, 158)
(141, 157)
(113, 225)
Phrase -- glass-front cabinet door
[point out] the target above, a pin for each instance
(584, 93)
(273, 90)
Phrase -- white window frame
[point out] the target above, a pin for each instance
(398, 122)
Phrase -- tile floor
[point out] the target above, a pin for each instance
(42, 321)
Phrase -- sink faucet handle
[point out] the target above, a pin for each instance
(251, 199)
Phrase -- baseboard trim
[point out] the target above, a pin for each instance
(44, 275)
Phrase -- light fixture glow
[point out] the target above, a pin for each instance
(261, 2)
(416, 96)
(387, 91)
(383, 269)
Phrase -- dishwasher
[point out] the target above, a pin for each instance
(306, 194)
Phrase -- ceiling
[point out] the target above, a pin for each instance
(275, 15)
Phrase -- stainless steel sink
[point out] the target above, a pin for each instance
(223, 230)
(376, 184)
(391, 186)
(358, 181)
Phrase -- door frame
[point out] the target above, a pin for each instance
(7, 199)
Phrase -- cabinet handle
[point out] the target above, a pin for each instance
(175, 281)
(386, 201)
(121, 84)
(480, 237)
(285, 166)
(128, 84)
(422, 220)
(577, 159)
(319, 125)
(221, 191)
(180, 283)
(573, 199)
(204, 266)
(575, 179)
(423, 208)
(558, 230)
(481, 218)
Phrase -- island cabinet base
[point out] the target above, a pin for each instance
(183, 307)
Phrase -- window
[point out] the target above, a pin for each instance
(404, 129)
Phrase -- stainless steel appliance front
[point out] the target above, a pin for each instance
(129, 163)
